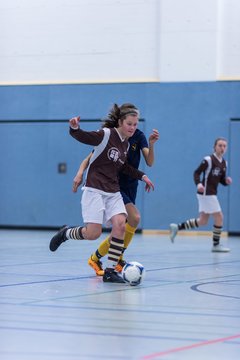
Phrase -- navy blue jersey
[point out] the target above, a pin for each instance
(128, 185)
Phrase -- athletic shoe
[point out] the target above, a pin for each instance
(58, 239)
(173, 231)
(220, 248)
(96, 265)
(120, 265)
(110, 275)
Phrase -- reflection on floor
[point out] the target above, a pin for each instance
(53, 307)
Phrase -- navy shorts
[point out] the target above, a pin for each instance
(129, 195)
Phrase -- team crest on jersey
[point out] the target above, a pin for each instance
(216, 171)
(113, 154)
(134, 146)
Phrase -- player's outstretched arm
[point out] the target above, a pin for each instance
(149, 185)
(148, 153)
(74, 122)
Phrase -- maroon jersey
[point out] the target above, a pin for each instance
(213, 172)
(108, 159)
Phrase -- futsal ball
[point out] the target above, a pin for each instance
(133, 273)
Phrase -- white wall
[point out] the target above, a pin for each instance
(78, 41)
(188, 35)
(228, 64)
(97, 41)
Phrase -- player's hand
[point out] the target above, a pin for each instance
(149, 185)
(77, 182)
(74, 122)
(200, 188)
(154, 136)
(228, 180)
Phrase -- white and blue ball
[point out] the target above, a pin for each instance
(133, 273)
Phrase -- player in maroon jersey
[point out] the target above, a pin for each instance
(128, 188)
(207, 176)
(101, 200)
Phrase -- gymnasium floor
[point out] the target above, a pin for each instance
(54, 308)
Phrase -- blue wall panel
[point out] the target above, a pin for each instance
(234, 167)
(189, 116)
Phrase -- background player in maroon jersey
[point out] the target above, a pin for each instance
(101, 199)
(213, 171)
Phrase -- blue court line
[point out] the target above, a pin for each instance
(56, 355)
(78, 261)
(40, 263)
(114, 319)
(111, 324)
(196, 288)
(125, 310)
(89, 333)
(196, 265)
(166, 282)
(77, 332)
(47, 281)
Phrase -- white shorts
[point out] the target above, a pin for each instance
(99, 209)
(208, 204)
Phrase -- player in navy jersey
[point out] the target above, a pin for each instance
(213, 170)
(101, 199)
(138, 145)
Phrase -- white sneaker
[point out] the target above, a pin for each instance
(173, 231)
(220, 248)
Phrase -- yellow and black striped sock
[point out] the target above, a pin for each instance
(102, 250)
(114, 252)
(129, 233)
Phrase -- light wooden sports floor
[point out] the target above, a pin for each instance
(53, 307)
